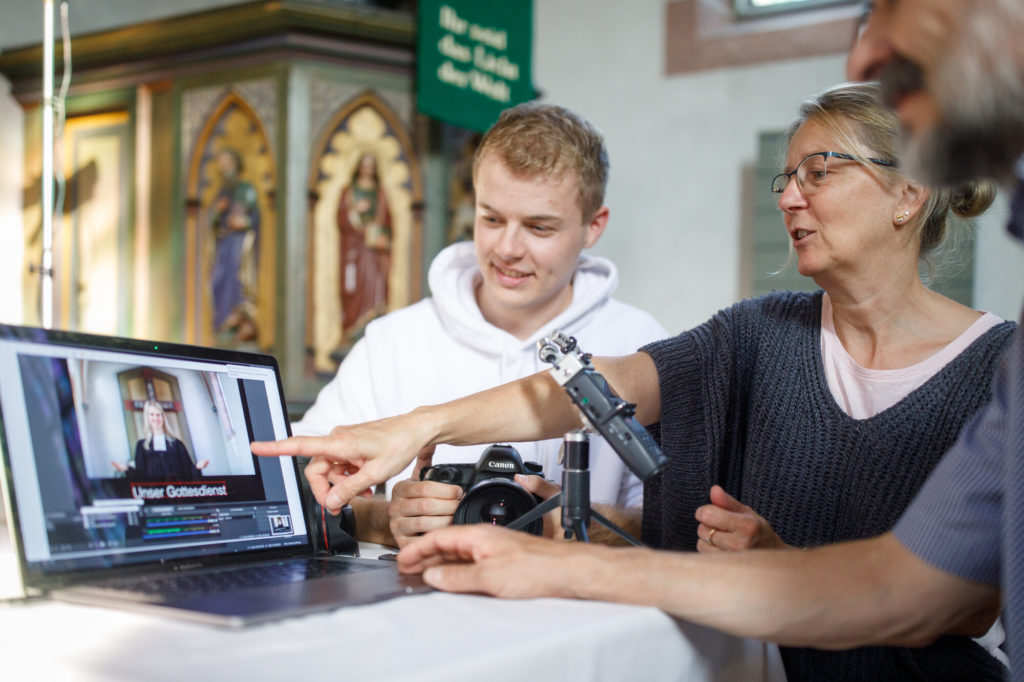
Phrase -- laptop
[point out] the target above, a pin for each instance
(129, 482)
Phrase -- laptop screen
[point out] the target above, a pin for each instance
(120, 452)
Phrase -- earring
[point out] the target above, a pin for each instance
(901, 217)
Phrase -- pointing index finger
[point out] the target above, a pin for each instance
(299, 446)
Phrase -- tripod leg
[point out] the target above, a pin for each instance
(581, 531)
(615, 529)
(537, 512)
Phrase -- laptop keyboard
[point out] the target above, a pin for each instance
(198, 582)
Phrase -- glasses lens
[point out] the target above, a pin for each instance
(811, 173)
(779, 183)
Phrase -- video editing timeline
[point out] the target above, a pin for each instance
(111, 514)
(130, 524)
(179, 526)
(223, 523)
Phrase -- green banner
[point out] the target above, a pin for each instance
(473, 59)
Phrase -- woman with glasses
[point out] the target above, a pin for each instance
(826, 411)
(823, 411)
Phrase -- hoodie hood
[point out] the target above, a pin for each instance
(453, 279)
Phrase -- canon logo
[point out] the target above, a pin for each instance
(501, 465)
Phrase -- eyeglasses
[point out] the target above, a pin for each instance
(813, 169)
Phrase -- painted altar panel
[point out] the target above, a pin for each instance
(363, 235)
(93, 236)
(230, 232)
(95, 230)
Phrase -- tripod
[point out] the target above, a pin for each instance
(574, 497)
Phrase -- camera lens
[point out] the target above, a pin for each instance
(498, 502)
(495, 514)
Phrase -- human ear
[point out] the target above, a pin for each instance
(912, 198)
(595, 228)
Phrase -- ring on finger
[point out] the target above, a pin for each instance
(711, 537)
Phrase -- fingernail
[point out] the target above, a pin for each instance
(432, 575)
(333, 502)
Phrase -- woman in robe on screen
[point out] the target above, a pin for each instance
(160, 455)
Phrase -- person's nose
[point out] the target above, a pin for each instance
(792, 197)
(511, 245)
(871, 49)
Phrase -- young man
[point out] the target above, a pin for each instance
(941, 569)
(539, 178)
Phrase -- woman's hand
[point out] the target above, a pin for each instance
(352, 459)
(729, 525)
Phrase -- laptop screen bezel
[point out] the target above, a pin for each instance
(34, 580)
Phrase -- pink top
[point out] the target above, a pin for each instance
(863, 392)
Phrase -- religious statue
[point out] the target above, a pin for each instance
(364, 224)
(235, 219)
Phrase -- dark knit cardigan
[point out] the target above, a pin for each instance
(745, 404)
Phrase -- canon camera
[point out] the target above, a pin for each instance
(491, 493)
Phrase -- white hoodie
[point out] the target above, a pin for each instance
(442, 348)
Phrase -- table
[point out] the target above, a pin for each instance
(426, 637)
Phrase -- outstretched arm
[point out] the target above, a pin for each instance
(353, 458)
(865, 592)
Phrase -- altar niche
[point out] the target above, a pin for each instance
(230, 230)
(363, 183)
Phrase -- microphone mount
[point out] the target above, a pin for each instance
(604, 412)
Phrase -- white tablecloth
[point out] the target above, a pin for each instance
(437, 636)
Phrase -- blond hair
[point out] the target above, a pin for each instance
(148, 429)
(544, 140)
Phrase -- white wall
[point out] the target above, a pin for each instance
(998, 265)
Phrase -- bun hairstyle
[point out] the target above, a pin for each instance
(966, 201)
(860, 120)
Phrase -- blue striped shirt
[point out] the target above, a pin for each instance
(968, 518)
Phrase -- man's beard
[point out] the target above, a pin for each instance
(979, 136)
(956, 152)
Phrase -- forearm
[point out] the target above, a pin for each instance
(536, 407)
(532, 408)
(853, 594)
(372, 520)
